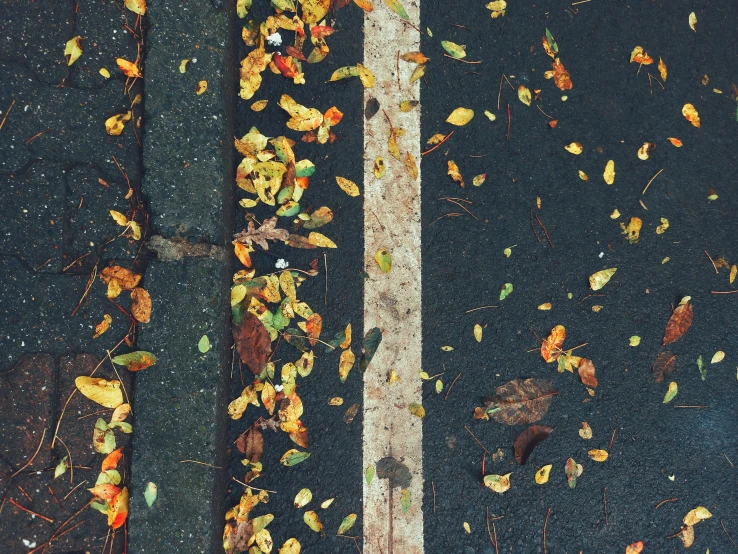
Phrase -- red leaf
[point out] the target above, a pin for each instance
(295, 53)
(678, 323)
(587, 373)
(663, 365)
(528, 440)
(252, 342)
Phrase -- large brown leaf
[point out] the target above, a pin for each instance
(587, 373)
(528, 440)
(663, 365)
(252, 342)
(678, 323)
(521, 401)
(251, 444)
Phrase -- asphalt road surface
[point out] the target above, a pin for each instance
(560, 229)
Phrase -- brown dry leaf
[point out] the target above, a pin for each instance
(252, 342)
(130, 69)
(663, 365)
(551, 347)
(118, 279)
(410, 165)
(251, 445)
(415, 57)
(266, 231)
(528, 440)
(690, 114)
(453, 171)
(560, 75)
(679, 322)
(587, 373)
(140, 305)
(103, 326)
(520, 401)
(687, 536)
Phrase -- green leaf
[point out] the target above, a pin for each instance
(671, 392)
(304, 168)
(454, 50)
(204, 344)
(293, 457)
(372, 339)
(369, 475)
(551, 42)
(135, 361)
(406, 499)
(506, 289)
(284, 5)
(346, 524)
(397, 7)
(344, 72)
(384, 260)
(61, 467)
(702, 368)
(150, 493)
(122, 425)
(100, 507)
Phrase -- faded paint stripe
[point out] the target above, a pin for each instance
(392, 301)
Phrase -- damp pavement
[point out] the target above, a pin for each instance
(181, 166)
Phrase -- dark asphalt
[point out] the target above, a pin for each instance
(612, 109)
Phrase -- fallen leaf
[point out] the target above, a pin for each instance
(635, 548)
(524, 95)
(105, 393)
(644, 152)
(118, 510)
(129, 69)
(586, 371)
(478, 332)
(201, 87)
(671, 392)
(543, 474)
(635, 340)
(312, 520)
(453, 171)
(346, 524)
(417, 410)
(135, 361)
(520, 401)
(498, 8)
(313, 11)
(693, 21)
(586, 431)
(371, 342)
(679, 322)
(662, 69)
(383, 259)
(349, 187)
(301, 118)
(293, 457)
(140, 305)
(103, 326)
(600, 278)
(718, 357)
(345, 364)
(663, 365)
(460, 117)
(598, 455)
(675, 141)
(696, 515)
(303, 497)
(252, 343)
(505, 290)
(551, 346)
(639, 55)
(574, 148)
(690, 114)
(114, 125)
(498, 483)
(454, 50)
(292, 546)
(609, 174)
(528, 440)
(572, 470)
(138, 7)
(397, 7)
(633, 231)
(73, 49)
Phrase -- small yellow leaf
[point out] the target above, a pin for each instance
(453, 171)
(335, 401)
(693, 517)
(136, 6)
(690, 114)
(201, 87)
(543, 473)
(609, 174)
(675, 141)
(693, 21)
(498, 483)
(104, 72)
(103, 326)
(321, 240)
(615, 214)
(73, 49)
(447, 348)
(417, 410)
(600, 278)
(345, 363)
(545, 306)
(718, 357)
(479, 179)
(490, 115)
(635, 340)
(733, 271)
(303, 497)
(393, 377)
(119, 218)
(326, 503)
(598, 455)
(365, 76)
(671, 392)
(574, 148)
(524, 95)
(582, 175)
(312, 520)
(349, 187)
(183, 65)
(586, 431)
(114, 125)
(411, 166)
(439, 386)
(130, 69)
(384, 259)
(460, 117)
(662, 69)
(467, 528)
(478, 332)
(661, 229)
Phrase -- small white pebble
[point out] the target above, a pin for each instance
(278, 388)
(282, 263)
(602, 254)
(274, 39)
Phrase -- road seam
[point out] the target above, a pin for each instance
(392, 300)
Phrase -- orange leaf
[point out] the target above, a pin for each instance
(286, 66)
(314, 325)
(105, 491)
(140, 305)
(551, 347)
(587, 373)
(332, 116)
(112, 459)
(675, 141)
(678, 323)
(561, 76)
(118, 509)
(242, 253)
(130, 69)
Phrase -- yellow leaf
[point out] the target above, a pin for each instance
(183, 66)
(693, 517)
(105, 393)
(524, 95)
(345, 364)
(418, 72)
(467, 528)
(119, 218)
(543, 473)
(574, 148)
(365, 5)
(250, 72)
(393, 377)
(379, 168)
(733, 271)
(662, 69)
(130, 69)
(644, 152)
(73, 49)
(460, 117)
(383, 259)
(479, 179)
(586, 431)
(238, 406)
(136, 6)
(693, 21)
(478, 332)
(411, 166)
(103, 326)
(490, 115)
(661, 229)
(600, 279)
(349, 187)
(347, 337)
(453, 171)
(201, 87)
(259, 105)
(635, 340)
(303, 497)
(365, 76)
(417, 410)
(114, 125)
(498, 483)
(314, 10)
(312, 520)
(104, 72)
(583, 175)
(321, 240)
(291, 546)
(691, 115)
(324, 505)
(598, 455)
(718, 357)
(609, 174)
(675, 141)
(633, 231)
(335, 401)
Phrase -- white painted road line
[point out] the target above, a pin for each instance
(392, 301)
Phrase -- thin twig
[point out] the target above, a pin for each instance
(460, 206)
(499, 93)
(711, 261)
(250, 487)
(452, 214)
(612, 439)
(479, 308)
(545, 522)
(451, 386)
(325, 262)
(604, 502)
(460, 60)
(544, 231)
(651, 181)
(723, 291)
(477, 440)
(664, 502)
(544, 113)
(538, 239)
(507, 137)
(7, 113)
(682, 406)
(34, 137)
(29, 462)
(494, 530)
(437, 145)
(35, 514)
(726, 532)
(199, 463)
(55, 534)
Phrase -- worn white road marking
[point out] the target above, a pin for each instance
(392, 301)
